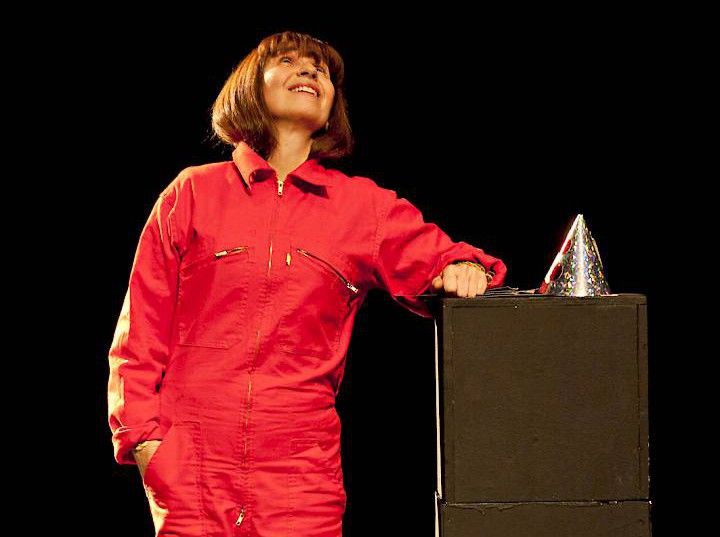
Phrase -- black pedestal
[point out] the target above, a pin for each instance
(542, 416)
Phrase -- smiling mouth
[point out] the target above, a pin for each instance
(305, 89)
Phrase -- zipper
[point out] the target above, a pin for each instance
(231, 251)
(249, 392)
(240, 517)
(304, 252)
(216, 255)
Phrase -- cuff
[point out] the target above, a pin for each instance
(124, 439)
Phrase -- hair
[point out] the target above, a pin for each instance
(240, 113)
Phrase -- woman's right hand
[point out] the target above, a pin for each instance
(144, 453)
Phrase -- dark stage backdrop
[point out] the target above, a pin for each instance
(499, 135)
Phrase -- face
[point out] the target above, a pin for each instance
(291, 103)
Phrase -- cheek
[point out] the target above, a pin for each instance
(268, 76)
(330, 94)
(271, 83)
(267, 96)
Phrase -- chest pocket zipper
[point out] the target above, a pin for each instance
(231, 251)
(307, 254)
(216, 255)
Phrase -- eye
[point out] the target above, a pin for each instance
(285, 58)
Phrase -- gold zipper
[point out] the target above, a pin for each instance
(240, 517)
(231, 251)
(345, 281)
(216, 255)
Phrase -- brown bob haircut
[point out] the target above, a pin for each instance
(240, 113)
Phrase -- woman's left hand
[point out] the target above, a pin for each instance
(461, 280)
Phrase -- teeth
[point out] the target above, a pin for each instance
(306, 89)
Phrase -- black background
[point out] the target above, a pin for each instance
(499, 130)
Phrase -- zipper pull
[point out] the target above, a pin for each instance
(288, 259)
(240, 517)
(351, 287)
(222, 253)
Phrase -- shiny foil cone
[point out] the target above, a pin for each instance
(577, 269)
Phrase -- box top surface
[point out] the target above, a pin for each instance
(528, 299)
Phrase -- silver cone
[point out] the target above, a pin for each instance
(577, 269)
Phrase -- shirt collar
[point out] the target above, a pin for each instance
(253, 167)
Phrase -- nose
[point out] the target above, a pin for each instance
(307, 67)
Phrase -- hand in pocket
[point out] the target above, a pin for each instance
(143, 455)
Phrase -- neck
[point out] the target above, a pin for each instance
(293, 148)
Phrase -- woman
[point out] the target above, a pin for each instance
(230, 346)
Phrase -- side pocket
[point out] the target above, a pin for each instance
(173, 467)
(171, 481)
(311, 457)
(316, 493)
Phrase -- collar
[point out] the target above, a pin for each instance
(253, 168)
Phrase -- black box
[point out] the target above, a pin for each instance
(542, 416)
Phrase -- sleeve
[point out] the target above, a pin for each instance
(410, 253)
(139, 350)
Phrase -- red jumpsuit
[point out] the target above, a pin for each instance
(231, 342)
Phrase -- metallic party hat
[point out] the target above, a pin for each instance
(577, 269)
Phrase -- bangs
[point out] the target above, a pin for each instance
(304, 45)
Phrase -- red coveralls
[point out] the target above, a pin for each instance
(231, 342)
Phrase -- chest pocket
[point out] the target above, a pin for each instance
(316, 294)
(212, 296)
